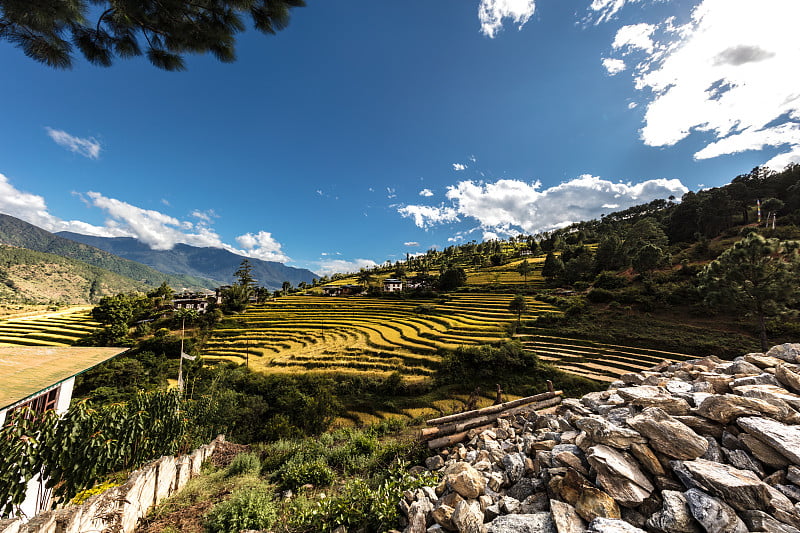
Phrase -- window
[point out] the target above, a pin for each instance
(40, 404)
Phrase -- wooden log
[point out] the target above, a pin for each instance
(491, 409)
(458, 427)
(449, 440)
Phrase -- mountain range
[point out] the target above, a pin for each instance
(215, 264)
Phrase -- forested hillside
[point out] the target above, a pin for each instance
(31, 277)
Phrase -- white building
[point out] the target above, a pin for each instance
(392, 285)
(42, 378)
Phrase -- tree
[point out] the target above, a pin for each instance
(236, 297)
(518, 305)
(452, 278)
(647, 258)
(286, 286)
(756, 275)
(771, 206)
(553, 266)
(610, 254)
(524, 268)
(47, 30)
(243, 274)
(365, 277)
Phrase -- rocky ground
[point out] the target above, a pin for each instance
(703, 445)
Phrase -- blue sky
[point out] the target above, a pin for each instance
(367, 130)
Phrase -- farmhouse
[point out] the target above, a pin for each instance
(342, 290)
(42, 378)
(193, 300)
(392, 285)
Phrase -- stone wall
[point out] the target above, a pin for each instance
(120, 508)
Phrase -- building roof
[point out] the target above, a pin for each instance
(27, 370)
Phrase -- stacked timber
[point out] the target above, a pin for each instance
(451, 429)
(695, 446)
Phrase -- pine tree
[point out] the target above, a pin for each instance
(47, 30)
(756, 275)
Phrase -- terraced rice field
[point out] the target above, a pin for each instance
(361, 334)
(603, 362)
(57, 328)
(508, 275)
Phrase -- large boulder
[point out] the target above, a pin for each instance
(619, 475)
(667, 435)
(465, 480)
(741, 489)
(675, 515)
(467, 517)
(782, 438)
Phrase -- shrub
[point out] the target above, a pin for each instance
(244, 463)
(425, 309)
(600, 296)
(609, 280)
(299, 471)
(251, 508)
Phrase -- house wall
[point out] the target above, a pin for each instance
(37, 497)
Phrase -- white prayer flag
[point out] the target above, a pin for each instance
(189, 357)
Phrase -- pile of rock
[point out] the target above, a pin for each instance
(702, 445)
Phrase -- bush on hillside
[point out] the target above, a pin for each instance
(250, 508)
(487, 362)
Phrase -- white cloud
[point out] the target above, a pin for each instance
(262, 246)
(32, 209)
(426, 192)
(508, 207)
(632, 105)
(207, 216)
(459, 167)
(411, 243)
(492, 12)
(426, 216)
(634, 37)
(87, 147)
(613, 65)
(725, 75)
(605, 10)
(335, 266)
(391, 192)
(156, 229)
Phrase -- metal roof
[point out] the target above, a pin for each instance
(27, 370)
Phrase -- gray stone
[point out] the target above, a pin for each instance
(468, 517)
(667, 435)
(742, 460)
(781, 437)
(565, 518)
(788, 377)
(434, 463)
(524, 488)
(714, 452)
(713, 514)
(726, 408)
(619, 475)
(465, 480)
(651, 396)
(761, 360)
(514, 464)
(761, 379)
(419, 516)
(674, 516)
(786, 352)
(601, 431)
(790, 491)
(647, 459)
(759, 521)
(522, 523)
(793, 474)
(774, 394)
(702, 426)
(741, 367)
(741, 489)
(610, 525)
